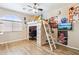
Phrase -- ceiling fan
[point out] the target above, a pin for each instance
(35, 8)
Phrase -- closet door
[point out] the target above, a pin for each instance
(17, 26)
(5, 26)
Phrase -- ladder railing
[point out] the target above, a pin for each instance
(49, 36)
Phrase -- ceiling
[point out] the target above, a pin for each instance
(19, 7)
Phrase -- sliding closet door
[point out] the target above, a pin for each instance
(17, 26)
(5, 26)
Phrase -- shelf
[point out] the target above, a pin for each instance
(63, 30)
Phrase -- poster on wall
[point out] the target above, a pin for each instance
(65, 26)
(63, 37)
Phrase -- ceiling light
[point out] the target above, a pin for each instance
(35, 11)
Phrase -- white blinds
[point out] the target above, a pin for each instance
(6, 26)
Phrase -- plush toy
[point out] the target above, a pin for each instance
(64, 20)
(52, 22)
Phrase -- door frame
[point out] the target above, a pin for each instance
(38, 37)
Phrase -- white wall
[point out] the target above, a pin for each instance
(10, 12)
(63, 9)
(15, 35)
(73, 35)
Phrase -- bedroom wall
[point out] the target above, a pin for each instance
(73, 36)
(13, 35)
(73, 41)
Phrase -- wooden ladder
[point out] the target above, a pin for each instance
(49, 36)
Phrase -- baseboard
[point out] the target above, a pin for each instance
(67, 46)
(73, 48)
(11, 41)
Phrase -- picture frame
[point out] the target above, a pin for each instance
(63, 37)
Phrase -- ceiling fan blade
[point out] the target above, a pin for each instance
(29, 6)
(40, 9)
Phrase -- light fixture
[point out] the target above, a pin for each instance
(35, 11)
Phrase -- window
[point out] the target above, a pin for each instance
(10, 23)
(10, 18)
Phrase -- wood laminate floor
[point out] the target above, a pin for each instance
(28, 47)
